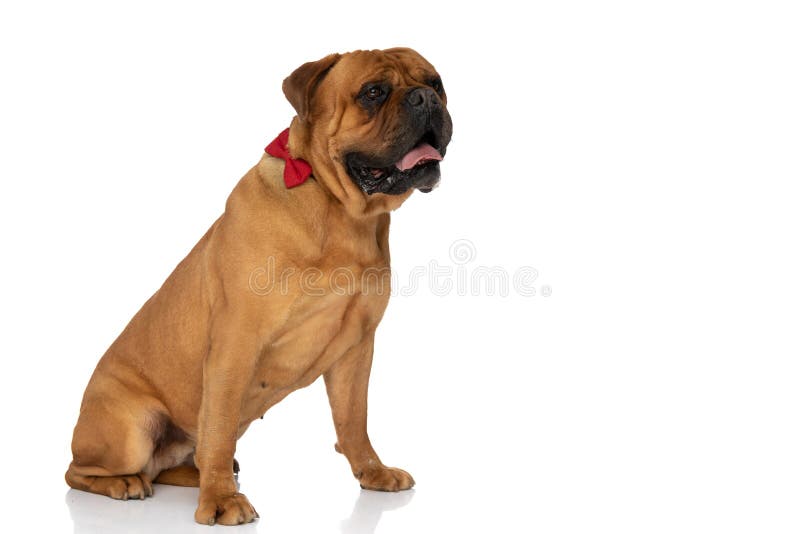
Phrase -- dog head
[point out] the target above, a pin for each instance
(376, 119)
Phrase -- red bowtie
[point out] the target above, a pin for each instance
(296, 171)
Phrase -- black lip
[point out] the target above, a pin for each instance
(386, 162)
(393, 181)
(432, 138)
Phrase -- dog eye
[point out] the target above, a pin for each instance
(372, 95)
(436, 85)
(374, 92)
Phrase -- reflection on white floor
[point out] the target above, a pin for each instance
(369, 507)
(171, 510)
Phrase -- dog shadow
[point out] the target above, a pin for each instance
(173, 512)
(369, 508)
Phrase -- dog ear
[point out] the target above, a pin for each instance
(300, 86)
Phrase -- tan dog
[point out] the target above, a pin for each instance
(222, 340)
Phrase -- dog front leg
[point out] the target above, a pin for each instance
(226, 372)
(346, 382)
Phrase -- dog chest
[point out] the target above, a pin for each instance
(320, 329)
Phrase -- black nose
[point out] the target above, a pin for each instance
(418, 96)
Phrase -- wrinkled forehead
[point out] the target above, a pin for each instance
(397, 65)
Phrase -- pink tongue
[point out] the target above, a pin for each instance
(418, 154)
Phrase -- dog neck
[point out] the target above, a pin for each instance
(331, 175)
(317, 217)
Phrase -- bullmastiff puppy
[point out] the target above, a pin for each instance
(286, 286)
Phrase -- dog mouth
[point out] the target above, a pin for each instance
(417, 167)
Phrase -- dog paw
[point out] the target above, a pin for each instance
(232, 509)
(123, 487)
(384, 479)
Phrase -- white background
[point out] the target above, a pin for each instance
(642, 156)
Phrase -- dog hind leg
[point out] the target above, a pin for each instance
(111, 447)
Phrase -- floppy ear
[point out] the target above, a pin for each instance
(300, 86)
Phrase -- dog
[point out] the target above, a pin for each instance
(223, 340)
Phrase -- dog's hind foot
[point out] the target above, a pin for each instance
(121, 487)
